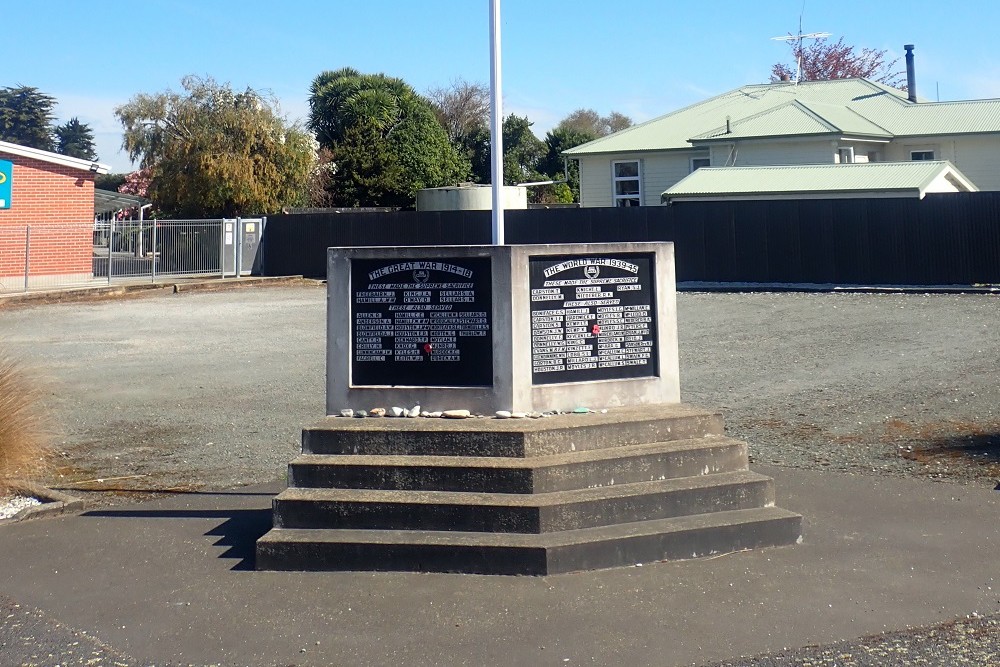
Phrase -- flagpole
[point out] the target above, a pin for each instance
(496, 124)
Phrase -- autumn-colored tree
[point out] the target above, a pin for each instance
(212, 152)
(588, 121)
(822, 60)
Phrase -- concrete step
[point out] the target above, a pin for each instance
(558, 434)
(528, 554)
(520, 513)
(539, 474)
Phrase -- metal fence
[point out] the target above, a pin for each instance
(943, 239)
(55, 256)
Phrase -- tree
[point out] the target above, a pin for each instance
(385, 140)
(522, 152)
(75, 139)
(210, 152)
(557, 140)
(523, 155)
(588, 121)
(111, 181)
(462, 108)
(822, 60)
(26, 117)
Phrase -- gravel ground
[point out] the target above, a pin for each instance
(210, 389)
(972, 641)
(885, 384)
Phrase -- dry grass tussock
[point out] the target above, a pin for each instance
(24, 440)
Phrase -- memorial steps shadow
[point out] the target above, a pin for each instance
(239, 531)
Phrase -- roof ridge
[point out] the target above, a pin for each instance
(834, 165)
(714, 132)
(637, 126)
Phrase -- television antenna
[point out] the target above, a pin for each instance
(798, 51)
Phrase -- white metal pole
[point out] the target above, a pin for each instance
(496, 123)
(27, 255)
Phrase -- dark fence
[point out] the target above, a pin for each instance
(945, 239)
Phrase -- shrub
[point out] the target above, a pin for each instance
(24, 440)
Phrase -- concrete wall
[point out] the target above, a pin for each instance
(512, 387)
(58, 203)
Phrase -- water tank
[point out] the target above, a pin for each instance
(470, 197)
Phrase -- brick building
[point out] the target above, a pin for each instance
(46, 215)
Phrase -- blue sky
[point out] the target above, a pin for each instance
(643, 58)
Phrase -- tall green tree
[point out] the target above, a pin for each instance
(26, 117)
(523, 154)
(557, 140)
(384, 139)
(75, 139)
(210, 151)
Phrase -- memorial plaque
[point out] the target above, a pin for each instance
(424, 323)
(592, 317)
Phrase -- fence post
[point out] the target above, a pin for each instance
(152, 270)
(111, 236)
(222, 248)
(237, 249)
(27, 254)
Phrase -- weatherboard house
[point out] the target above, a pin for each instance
(47, 200)
(849, 123)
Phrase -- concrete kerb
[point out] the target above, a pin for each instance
(76, 294)
(53, 503)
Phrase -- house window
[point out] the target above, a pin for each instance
(845, 155)
(921, 155)
(627, 183)
(699, 162)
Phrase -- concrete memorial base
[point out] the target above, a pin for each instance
(487, 328)
(521, 496)
(620, 474)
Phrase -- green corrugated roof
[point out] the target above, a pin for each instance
(853, 107)
(797, 118)
(815, 178)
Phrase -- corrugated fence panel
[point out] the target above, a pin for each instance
(944, 239)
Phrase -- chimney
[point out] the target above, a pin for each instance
(911, 74)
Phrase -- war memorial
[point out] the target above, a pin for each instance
(512, 410)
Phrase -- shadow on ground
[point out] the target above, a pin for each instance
(239, 531)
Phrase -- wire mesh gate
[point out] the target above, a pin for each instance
(54, 256)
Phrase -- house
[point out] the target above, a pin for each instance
(820, 181)
(843, 121)
(46, 216)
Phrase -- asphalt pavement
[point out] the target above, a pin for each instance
(171, 581)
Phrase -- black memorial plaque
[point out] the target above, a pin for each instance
(423, 323)
(592, 318)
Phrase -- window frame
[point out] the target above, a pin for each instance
(847, 151)
(691, 161)
(615, 180)
(923, 151)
